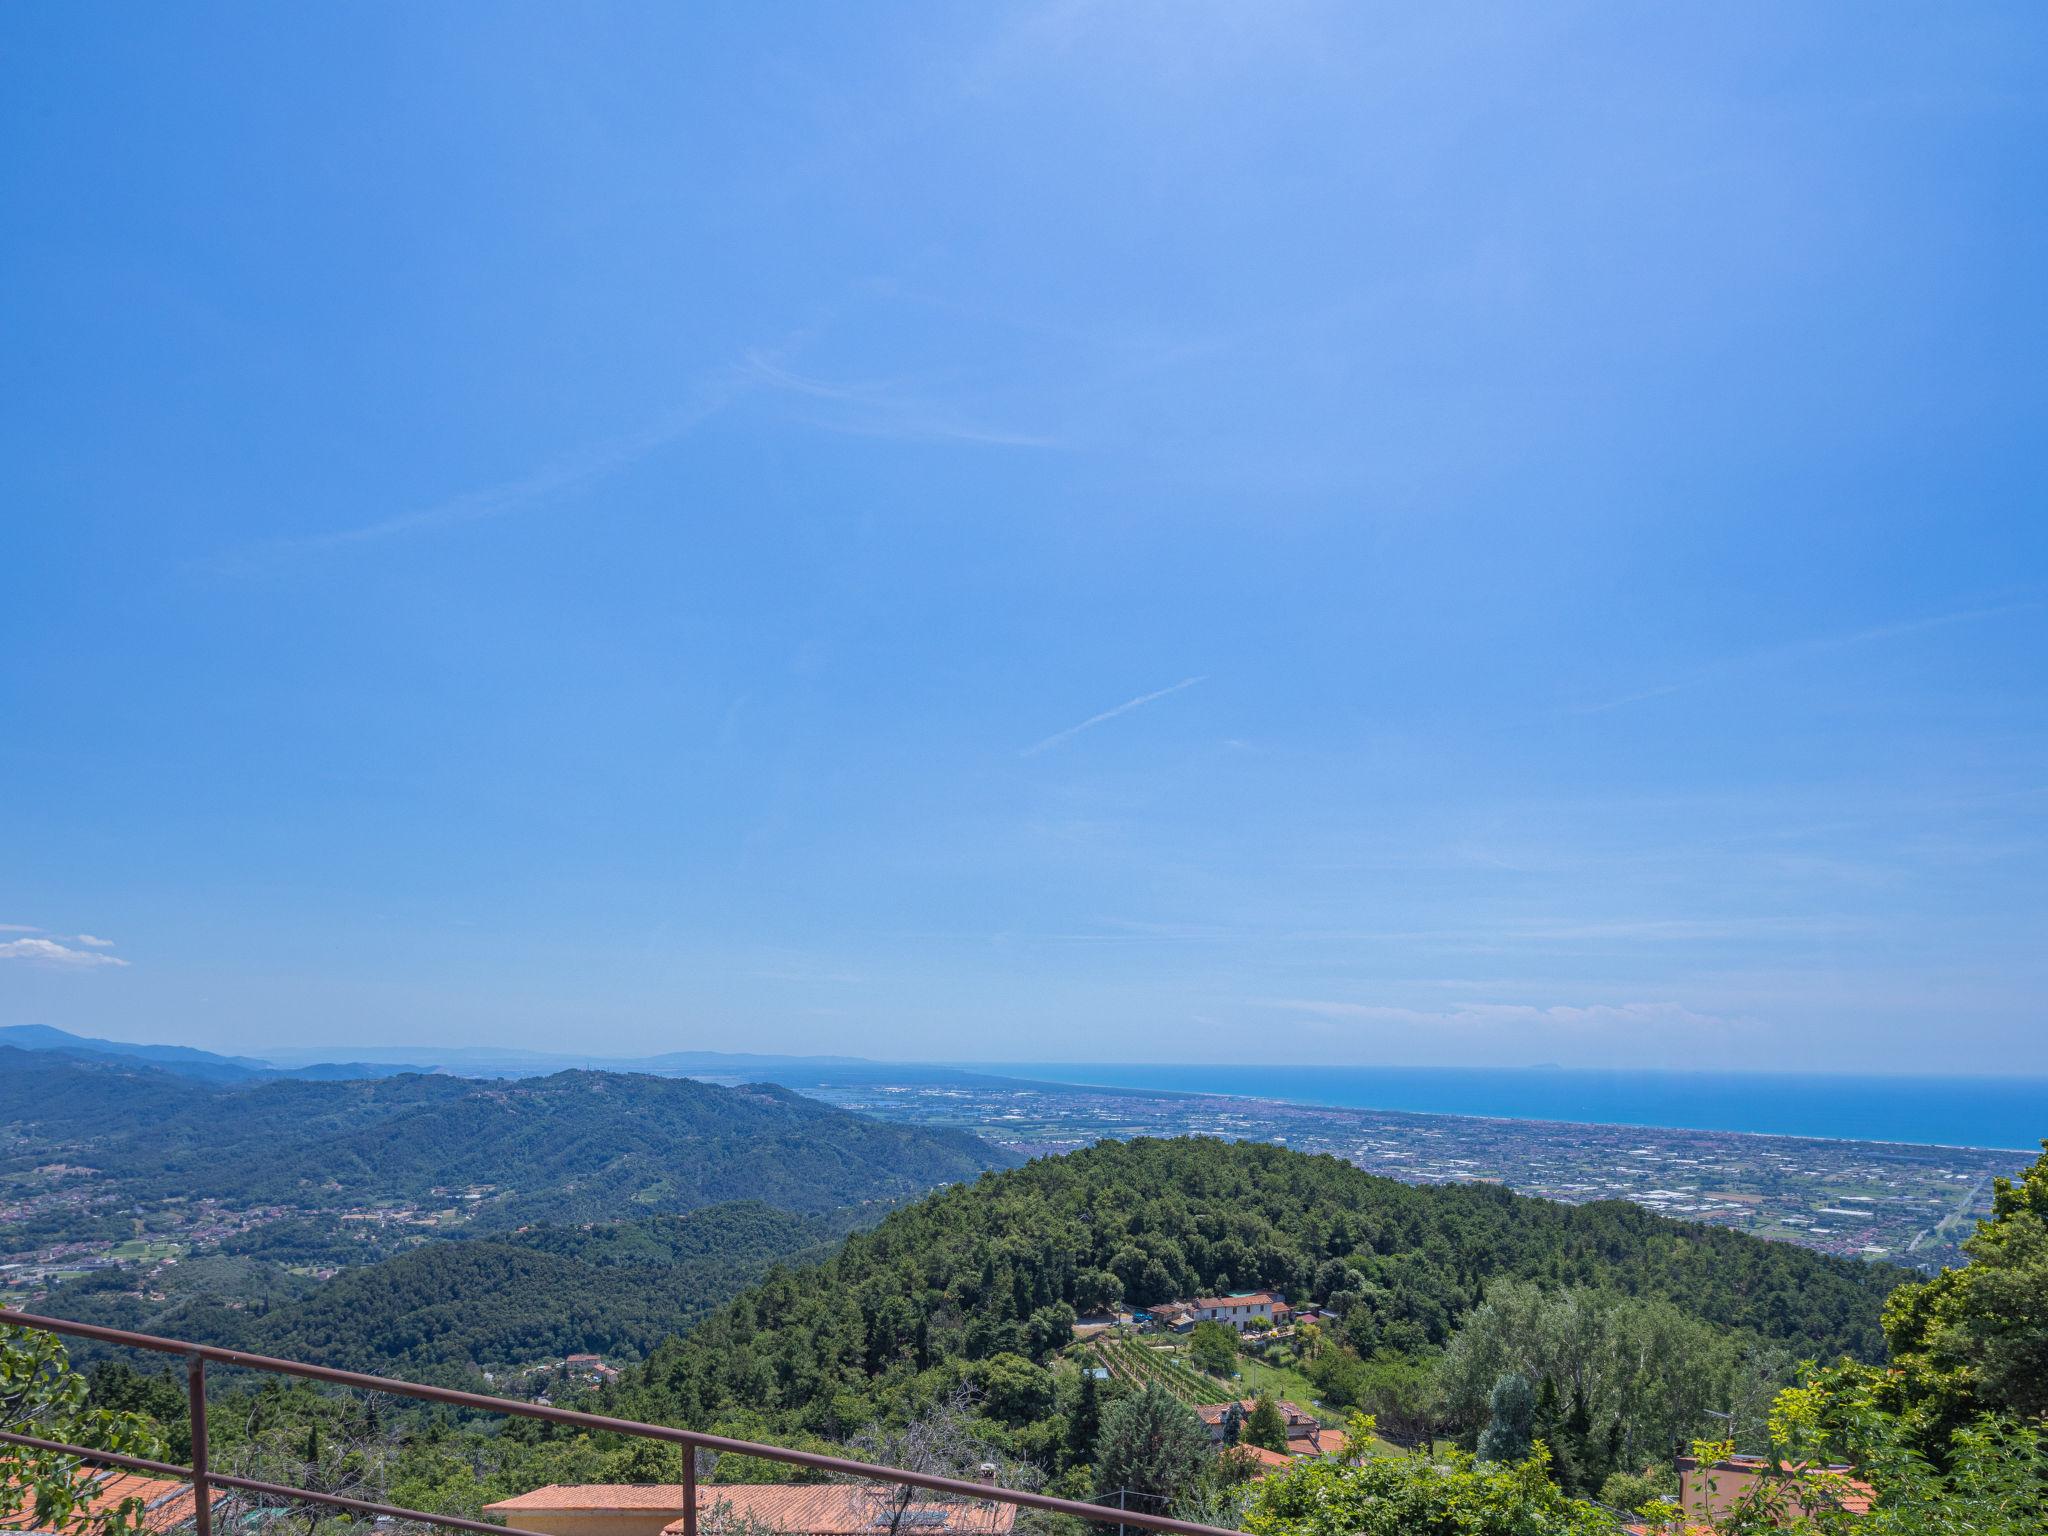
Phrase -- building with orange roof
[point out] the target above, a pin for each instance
(1258, 1460)
(1304, 1429)
(794, 1509)
(168, 1505)
(1712, 1491)
(1240, 1311)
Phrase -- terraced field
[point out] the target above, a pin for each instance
(1129, 1361)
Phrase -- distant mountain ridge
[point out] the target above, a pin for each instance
(473, 1061)
(185, 1060)
(332, 1063)
(576, 1146)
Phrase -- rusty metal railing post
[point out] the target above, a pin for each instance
(689, 1490)
(195, 1398)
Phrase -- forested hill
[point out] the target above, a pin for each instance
(574, 1147)
(448, 1309)
(998, 1266)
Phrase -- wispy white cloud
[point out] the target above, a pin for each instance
(569, 473)
(50, 952)
(1058, 737)
(1817, 646)
(96, 943)
(885, 410)
(868, 410)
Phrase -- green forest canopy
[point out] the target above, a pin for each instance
(571, 1147)
(997, 1268)
(442, 1310)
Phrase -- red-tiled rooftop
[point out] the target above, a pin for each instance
(1215, 1413)
(847, 1509)
(166, 1503)
(803, 1509)
(1263, 1460)
(1836, 1481)
(596, 1496)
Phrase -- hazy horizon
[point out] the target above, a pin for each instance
(1289, 535)
(385, 1055)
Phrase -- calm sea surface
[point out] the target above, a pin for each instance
(1948, 1111)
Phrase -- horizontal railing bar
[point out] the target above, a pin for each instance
(816, 1461)
(251, 1485)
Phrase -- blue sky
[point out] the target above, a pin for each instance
(1298, 533)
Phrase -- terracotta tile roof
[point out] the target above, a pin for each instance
(1293, 1413)
(595, 1497)
(847, 1509)
(1254, 1299)
(1264, 1463)
(167, 1503)
(1842, 1489)
(802, 1509)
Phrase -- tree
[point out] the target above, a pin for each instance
(1638, 1491)
(1620, 1381)
(1265, 1426)
(1013, 1389)
(1214, 1348)
(1976, 1339)
(942, 1440)
(1510, 1432)
(1085, 1422)
(1153, 1446)
(1308, 1340)
(1097, 1290)
(1995, 1482)
(1411, 1496)
(41, 1395)
(1402, 1395)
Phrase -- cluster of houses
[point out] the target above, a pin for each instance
(1247, 1311)
(1261, 1312)
(1260, 1309)
(590, 1370)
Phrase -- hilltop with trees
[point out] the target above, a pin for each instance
(1549, 1344)
(572, 1147)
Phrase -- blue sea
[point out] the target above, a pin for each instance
(1942, 1111)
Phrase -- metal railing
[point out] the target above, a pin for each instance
(204, 1479)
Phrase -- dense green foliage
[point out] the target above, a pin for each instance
(41, 1395)
(1151, 1451)
(1619, 1383)
(573, 1147)
(1510, 1433)
(504, 1303)
(1213, 1347)
(1990, 1480)
(445, 1309)
(991, 1268)
(1265, 1426)
(61, 1098)
(1976, 1339)
(1448, 1496)
(968, 1296)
